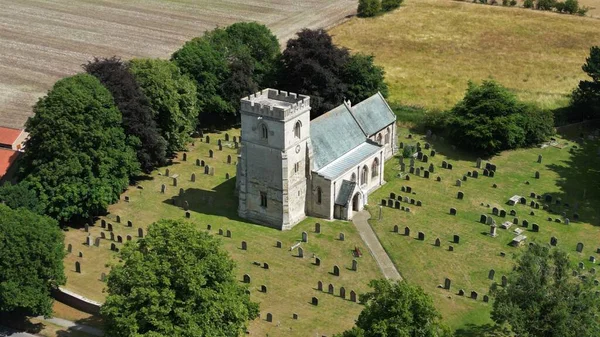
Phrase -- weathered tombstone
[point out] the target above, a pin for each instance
(207, 139)
(474, 295)
(220, 147)
(343, 292)
(220, 231)
(269, 317)
(129, 223)
(330, 288)
(246, 278)
(452, 211)
(226, 137)
(396, 228)
(421, 236)
(539, 158)
(444, 164)
(336, 270)
(97, 242)
(304, 237)
(504, 281)
(128, 237)
(581, 265)
(354, 265)
(432, 153)
(397, 204)
(102, 235)
(553, 241)
(342, 237)
(490, 221)
(537, 174)
(492, 173)
(263, 289)
(460, 195)
(483, 218)
(579, 247)
(495, 211)
(118, 221)
(456, 239)
(447, 283)
(77, 267)
(184, 157)
(119, 238)
(163, 188)
(80, 254)
(475, 174)
(535, 227)
(493, 229)
(491, 274)
(486, 298)
(193, 177)
(88, 241)
(113, 247)
(219, 142)
(278, 244)
(406, 231)
(437, 242)
(112, 236)
(320, 286)
(390, 203)
(166, 174)
(317, 261)
(211, 153)
(314, 301)
(228, 234)
(174, 181)
(300, 252)
(461, 292)
(197, 162)
(352, 296)
(449, 166)
(450, 248)
(502, 213)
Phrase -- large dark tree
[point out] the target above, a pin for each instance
(172, 98)
(77, 159)
(542, 299)
(138, 119)
(32, 251)
(21, 195)
(586, 97)
(397, 309)
(312, 65)
(363, 78)
(176, 281)
(490, 119)
(228, 64)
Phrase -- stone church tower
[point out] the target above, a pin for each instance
(274, 162)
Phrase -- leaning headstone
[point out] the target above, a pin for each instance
(354, 265)
(304, 237)
(300, 252)
(97, 242)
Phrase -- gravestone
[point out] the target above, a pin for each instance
(163, 188)
(456, 239)
(129, 223)
(460, 195)
(395, 228)
(525, 223)
(220, 147)
(300, 252)
(228, 159)
(77, 267)
(483, 218)
(320, 286)
(432, 153)
(553, 241)
(502, 213)
(219, 142)
(419, 203)
(342, 237)
(343, 292)
(458, 182)
(390, 203)
(537, 174)
(166, 174)
(336, 270)
(444, 164)
(513, 212)
(97, 242)
(474, 295)
(174, 181)
(227, 176)
(210, 153)
(495, 211)
(317, 261)
(449, 166)
(491, 274)
(539, 160)
(113, 247)
(88, 241)
(226, 137)
(425, 158)
(567, 221)
(314, 301)
(579, 247)
(119, 238)
(486, 298)
(535, 227)
(128, 237)
(228, 234)
(490, 221)
(431, 168)
(504, 281)
(515, 221)
(426, 174)
(453, 211)
(317, 228)
(265, 265)
(352, 296)
(354, 265)
(263, 289)
(80, 254)
(397, 204)
(421, 236)
(406, 231)
(304, 237)
(330, 289)
(447, 283)
(278, 244)
(475, 174)
(184, 157)
(450, 248)
(207, 139)
(269, 317)
(464, 178)
(102, 235)
(461, 292)
(103, 277)
(478, 163)
(112, 236)
(193, 177)
(103, 223)
(437, 242)
(493, 229)
(492, 173)
(197, 162)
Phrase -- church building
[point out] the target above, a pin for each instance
(290, 167)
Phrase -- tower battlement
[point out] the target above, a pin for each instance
(274, 103)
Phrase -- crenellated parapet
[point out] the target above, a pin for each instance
(277, 104)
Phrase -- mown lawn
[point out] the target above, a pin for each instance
(291, 281)
(430, 49)
(568, 173)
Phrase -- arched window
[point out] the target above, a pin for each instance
(264, 131)
(297, 128)
(379, 139)
(387, 136)
(319, 195)
(353, 178)
(375, 168)
(364, 178)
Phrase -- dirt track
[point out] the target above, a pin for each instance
(43, 41)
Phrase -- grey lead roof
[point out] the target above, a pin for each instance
(373, 114)
(349, 160)
(333, 134)
(343, 198)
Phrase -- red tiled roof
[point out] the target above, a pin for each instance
(8, 135)
(7, 157)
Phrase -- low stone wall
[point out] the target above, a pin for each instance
(76, 301)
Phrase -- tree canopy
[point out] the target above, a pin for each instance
(176, 281)
(138, 119)
(172, 98)
(78, 159)
(542, 299)
(32, 249)
(586, 97)
(228, 64)
(490, 119)
(368, 8)
(20, 195)
(397, 309)
(363, 78)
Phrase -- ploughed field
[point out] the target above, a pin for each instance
(43, 41)
(567, 188)
(291, 281)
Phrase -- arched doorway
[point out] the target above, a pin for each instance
(356, 202)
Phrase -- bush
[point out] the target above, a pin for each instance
(528, 4)
(513, 3)
(504, 2)
(582, 11)
(389, 5)
(408, 151)
(545, 5)
(407, 113)
(368, 8)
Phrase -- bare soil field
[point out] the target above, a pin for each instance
(43, 41)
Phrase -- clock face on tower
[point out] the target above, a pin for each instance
(298, 148)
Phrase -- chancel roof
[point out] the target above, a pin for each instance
(373, 114)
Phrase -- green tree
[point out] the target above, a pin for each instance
(389, 5)
(489, 119)
(363, 78)
(528, 4)
(33, 250)
(586, 97)
(172, 98)
(397, 309)
(368, 8)
(542, 299)
(176, 281)
(545, 5)
(77, 158)
(21, 195)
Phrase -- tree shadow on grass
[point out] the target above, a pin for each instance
(220, 201)
(90, 326)
(486, 330)
(579, 183)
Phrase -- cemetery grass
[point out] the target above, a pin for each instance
(291, 281)
(430, 49)
(567, 175)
